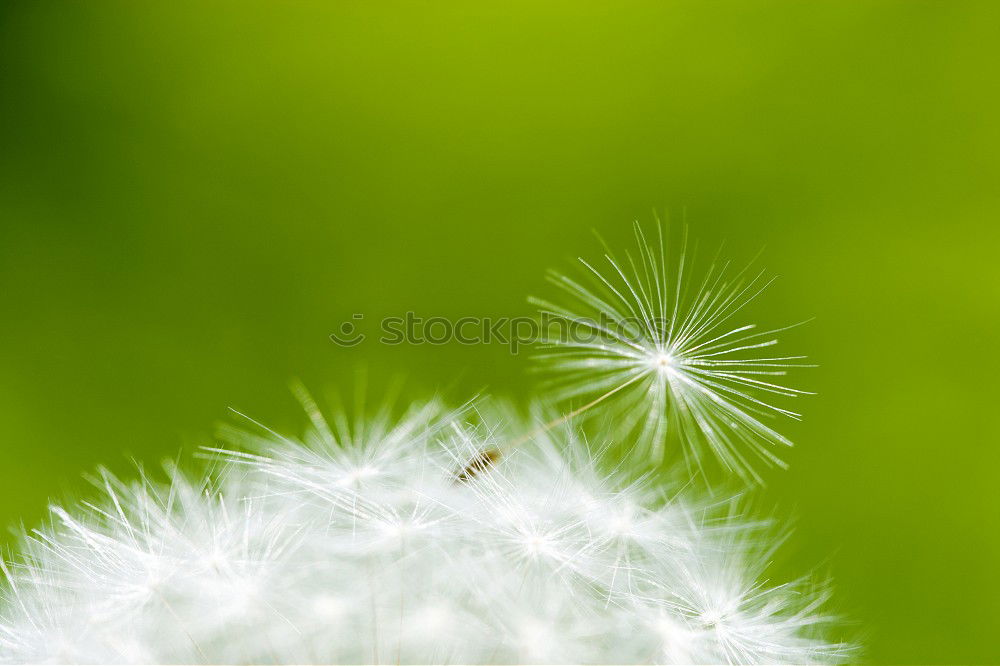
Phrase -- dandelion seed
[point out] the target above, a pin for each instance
(664, 353)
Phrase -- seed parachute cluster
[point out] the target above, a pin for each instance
(361, 545)
(467, 536)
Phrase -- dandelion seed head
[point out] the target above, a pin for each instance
(544, 557)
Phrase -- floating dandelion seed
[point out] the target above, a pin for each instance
(667, 348)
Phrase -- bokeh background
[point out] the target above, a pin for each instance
(193, 196)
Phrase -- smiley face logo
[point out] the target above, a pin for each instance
(347, 335)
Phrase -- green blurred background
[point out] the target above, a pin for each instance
(193, 196)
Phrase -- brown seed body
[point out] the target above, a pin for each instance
(480, 463)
